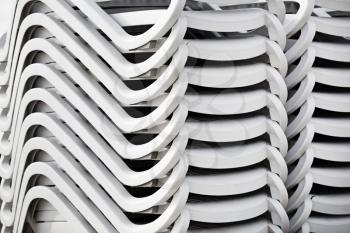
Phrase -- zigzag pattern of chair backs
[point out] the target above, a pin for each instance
(139, 116)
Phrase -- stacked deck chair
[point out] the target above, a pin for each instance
(138, 116)
(236, 118)
(319, 121)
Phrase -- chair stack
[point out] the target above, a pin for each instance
(236, 119)
(138, 116)
(69, 159)
(319, 116)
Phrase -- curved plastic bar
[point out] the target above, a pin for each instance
(302, 44)
(274, 6)
(336, 102)
(332, 26)
(300, 170)
(256, 226)
(236, 156)
(302, 95)
(55, 198)
(231, 76)
(301, 193)
(340, 77)
(219, 21)
(341, 5)
(336, 204)
(301, 216)
(337, 151)
(121, 38)
(238, 209)
(233, 183)
(305, 176)
(333, 177)
(337, 127)
(5, 35)
(326, 224)
(238, 49)
(293, 23)
(229, 103)
(329, 51)
(113, 30)
(243, 129)
(68, 189)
